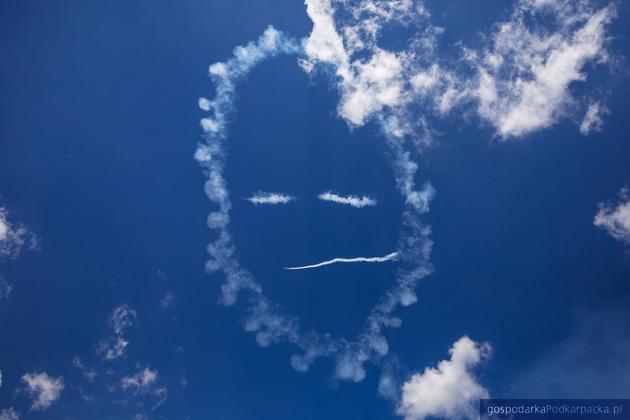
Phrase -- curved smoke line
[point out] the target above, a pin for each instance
(389, 257)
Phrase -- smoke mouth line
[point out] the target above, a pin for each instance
(393, 256)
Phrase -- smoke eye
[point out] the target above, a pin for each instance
(270, 198)
(348, 200)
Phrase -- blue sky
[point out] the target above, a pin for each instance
(108, 309)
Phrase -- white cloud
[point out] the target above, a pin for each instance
(122, 318)
(522, 79)
(592, 120)
(14, 237)
(324, 44)
(350, 200)
(115, 346)
(450, 390)
(43, 389)
(145, 383)
(525, 75)
(614, 217)
(87, 373)
(389, 383)
(9, 414)
(168, 299)
(372, 81)
(269, 198)
(141, 381)
(376, 84)
(112, 348)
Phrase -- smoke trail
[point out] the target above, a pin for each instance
(350, 200)
(265, 318)
(270, 198)
(388, 257)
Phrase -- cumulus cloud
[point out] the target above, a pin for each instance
(372, 81)
(349, 200)
(450, 390)
(9, 414)
(592, 120)
(145, 383)
(525, 75)
(520, 82)
(14, 237)
(614, 217)
(270, 198)
(43, 389)
(115, 346)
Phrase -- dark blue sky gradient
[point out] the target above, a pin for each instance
(98, 124)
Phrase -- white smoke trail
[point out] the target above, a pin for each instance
(270, 198)
(349, 200)
(265, 318)
(389, 257)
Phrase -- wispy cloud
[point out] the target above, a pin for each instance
(524, 76)
(593, 351)
(43, 389)
(449, 390)
(349, 200)
(592, 120)
(14, 237)
(388, 257)
(614, 217)
(168, 299)
(270, 198)
(519, 81)
(9, 414)
(145, 383)
(5, 288)
(115, 346)
(87, 373)
(122, 318)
